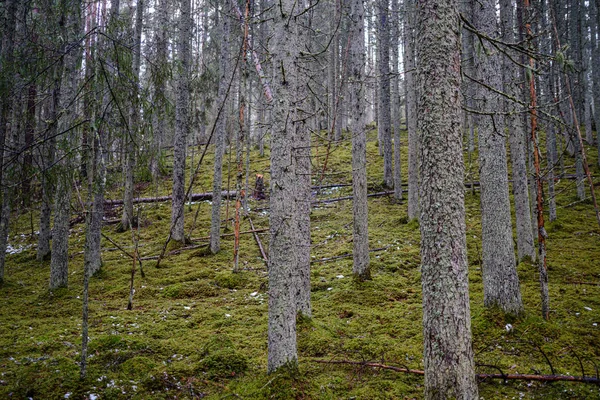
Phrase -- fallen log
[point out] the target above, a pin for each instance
(159, 199)
(505, 377)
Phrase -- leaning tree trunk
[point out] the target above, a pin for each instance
(219, 138)
(182, 124)
(411, 110)
(516, 140)
(500, 280)
(69, 91)
(448, 353)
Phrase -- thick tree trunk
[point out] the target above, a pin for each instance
(360, 241)
(411, 110)
(219, 138)
(182, 124)
(288, 127)
(448, 353)
(500, 280)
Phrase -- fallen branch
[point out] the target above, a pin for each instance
(159, 199)
(259, 243)
(254, 231)
(175, 252)
(525, 377)
(378, 194)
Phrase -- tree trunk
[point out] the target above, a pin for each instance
(360, 241)
(182, 124)
(395, 93)
(219, 138)
(288, 130)
(411, 110)
(448, 353)
(160, 77)
(60, 235)
(127, 217)
(384, 123)
(500, 280)
(516, 140)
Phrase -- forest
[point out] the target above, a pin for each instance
(299, 199)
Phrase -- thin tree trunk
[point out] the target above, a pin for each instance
(127, 218)
(395, 93)
(384, 123)
(360, 240)
(517, 142)
(411, 110)
(215, 228)
(182, 124)
(70, 81)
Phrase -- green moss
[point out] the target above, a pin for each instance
(198, 328)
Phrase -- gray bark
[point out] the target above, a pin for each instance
(548, 98)
(60, 234)
(517, 141)
(160, 77)
(596, 73)
(383, 61)
(131, 135)
(182, 124)
(49, 148)
(448, 353)
(411, 110)
(500, 280)
(360, 241)
(219, 138)
(395, 93)
(288, 125)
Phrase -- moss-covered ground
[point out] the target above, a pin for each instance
(198, 330)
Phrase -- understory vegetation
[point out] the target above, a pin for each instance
(198, 330)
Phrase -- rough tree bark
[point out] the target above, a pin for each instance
(395, 93)
(448, 353)
(182, 124)
(500, 280)
(383, 61)
(411, 110)
(219, 137)
(288, 121)
(71, 34)
(360, 243)
(134, 117)
(516, 140)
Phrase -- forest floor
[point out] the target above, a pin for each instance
(198, 330)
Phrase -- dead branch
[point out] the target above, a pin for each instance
(254, 231)
(259, 243)
(525, 377)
